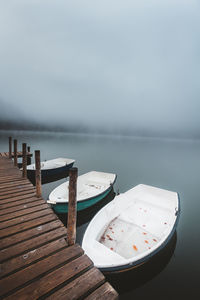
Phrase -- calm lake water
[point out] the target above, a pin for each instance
(164, 163)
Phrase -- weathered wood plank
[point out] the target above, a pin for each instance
(18, 198)
(29, 234)
(104, 292)
(27, 225)
(15, 188)
(21, 261)
(23, 212)
(13, 183)
(39, 269)
(32, 244)
(19, 202)
(21, 189)
(9, 210)
(80, 287)
(9, 179)
(24, 218)
(50, 281)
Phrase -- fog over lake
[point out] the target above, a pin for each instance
(123, 66)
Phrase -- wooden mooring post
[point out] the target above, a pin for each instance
(72, 207)
(28, 157)
(24, 161)
(15, 152)
(10, 147)
(38, 174)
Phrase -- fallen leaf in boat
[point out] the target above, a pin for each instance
(110, 228)
(144, 233)
(109, 237)
(112, 231)
(165, 223)
(111, 248)
(122, 230)
(146, 242)
(154, 240)
(135, 248)
(144, 225)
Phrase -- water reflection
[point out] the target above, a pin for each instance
(130, 280)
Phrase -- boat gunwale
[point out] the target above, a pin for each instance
(72, 161)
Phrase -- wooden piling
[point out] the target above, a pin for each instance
(38, 174)
(72, 207)
(24, 161)
(28, 157)
(15, 152)
(10, 147)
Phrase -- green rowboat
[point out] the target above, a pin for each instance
(92, 187)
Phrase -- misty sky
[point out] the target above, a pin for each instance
(116, 64)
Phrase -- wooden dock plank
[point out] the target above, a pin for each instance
(38, 269)
(28, 234)
(104, 292)
(10, 190)
(18, 202)
(32, 244)
(17, 196)
(24, 226)
(32, 256)
(49, 282)
(80, 287)
(14, 191)
(23, 212)
(25, 218)
(14, 184)
(6, 211)
(13, 179)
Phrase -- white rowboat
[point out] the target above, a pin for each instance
(131, 228)
(91, 188)
(51, 168)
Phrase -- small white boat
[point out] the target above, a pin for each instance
(91, 188)
(132, 228)
(50, 168)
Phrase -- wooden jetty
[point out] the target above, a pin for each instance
(36, 261)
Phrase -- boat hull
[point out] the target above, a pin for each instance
(62, 208)
(49, 175)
